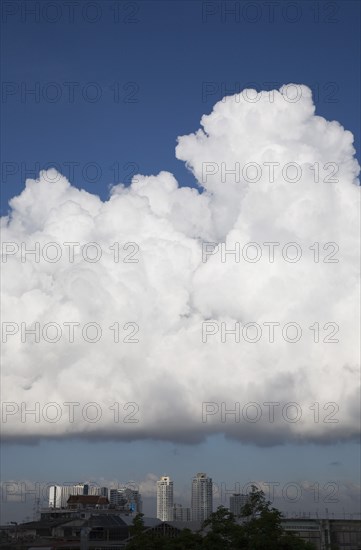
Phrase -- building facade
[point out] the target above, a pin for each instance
(117, 498)
(236, 503)
(134, 500)
(326, 534)
(165, 499)
(55, 496)
(79, 502)
(202, 497)
(113, 531)
(104, 492)
(181, 513)
(129, 500)
(59, 494)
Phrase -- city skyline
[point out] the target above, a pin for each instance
(307, 498)
(94, 519)
(180, 252)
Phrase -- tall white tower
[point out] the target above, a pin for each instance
(55, 496)
(165, 499)
(202, 499)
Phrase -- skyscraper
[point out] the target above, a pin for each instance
(134, 500)
(104, 491)
(181, 513)
(117, 498)
(202, 500)
(236, 503)
(165, 499)
(55, 496)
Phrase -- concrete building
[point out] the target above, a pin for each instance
(236, 503)
(104, 492)
(59, 494)
(55, 496)
(117, 498)
(181, 513)
(107, 530)
(202, 498)
(80, 502)
(134, 500)
(165, 499)
(309, 530)
(129, 500)
(327, 534)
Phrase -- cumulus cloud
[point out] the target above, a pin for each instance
(270, 173)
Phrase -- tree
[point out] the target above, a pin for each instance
(143, 539)
(186, 541)
(221, 529)
(262, 528)
(137, 528)
(140, 539)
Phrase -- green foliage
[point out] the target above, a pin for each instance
(186, 541)
(138, 525)
(142, 540)
(220, 529)
(261, 529)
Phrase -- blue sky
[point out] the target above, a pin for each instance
(168, 56)
(157, 67)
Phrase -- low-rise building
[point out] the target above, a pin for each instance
(78, 502)
(327, 534)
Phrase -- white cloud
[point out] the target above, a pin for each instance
(170, 292)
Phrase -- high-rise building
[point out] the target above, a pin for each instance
(104, 492)
(55, 496)
(165, 499)
(117, 498)
(126, 499)
(202, 499)
(134, 500)
(236, 503)
(181, 513)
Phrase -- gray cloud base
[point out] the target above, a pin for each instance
(170, 292)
